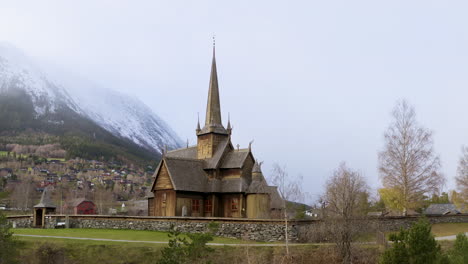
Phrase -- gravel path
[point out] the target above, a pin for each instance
(449, 237)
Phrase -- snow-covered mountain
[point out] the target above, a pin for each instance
(122, 115)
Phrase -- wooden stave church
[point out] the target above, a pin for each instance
(212, 178)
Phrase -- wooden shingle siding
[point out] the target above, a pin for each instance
(151, 206)
(165, 203)
(163, 182)
(258, 206)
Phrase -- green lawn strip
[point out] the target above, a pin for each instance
(117, 234)
(64, 241)
(5, 153)
(449, 229)
(443, 229)
(60, 159)
(367, 237)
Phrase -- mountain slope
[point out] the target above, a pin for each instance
(77, 111)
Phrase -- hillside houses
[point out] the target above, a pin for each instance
(80, 177)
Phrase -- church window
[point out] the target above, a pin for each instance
(195, 205)
(234, 204)
(208, 205)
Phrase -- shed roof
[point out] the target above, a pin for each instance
(45, 202)
(78, 201)
(441, 209)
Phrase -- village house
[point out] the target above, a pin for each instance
(212, 178)
(80, 206)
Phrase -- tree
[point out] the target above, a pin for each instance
(462, 174)
(290, 190)
(416, 246)
(23, 194)
(182, 250)
(392, 198)
(103, 197)
(458, 201)
(459, 252)
(8, 245)
(343, 198)
(408, 163)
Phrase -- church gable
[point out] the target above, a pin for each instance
(163, 180)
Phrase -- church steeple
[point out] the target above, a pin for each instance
(213, 132)
(213, 108)
(213, 122)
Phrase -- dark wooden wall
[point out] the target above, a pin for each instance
(165, 202)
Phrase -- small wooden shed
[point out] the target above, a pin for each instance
(44, 207)
(80, 206)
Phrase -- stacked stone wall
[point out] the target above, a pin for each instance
(249, 229)
(21, 221)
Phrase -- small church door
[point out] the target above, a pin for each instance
(39, 215)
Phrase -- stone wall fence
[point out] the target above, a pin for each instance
(249, 229)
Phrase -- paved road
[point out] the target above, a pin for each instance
(449, 237)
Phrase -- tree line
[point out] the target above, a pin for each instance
(410, 172)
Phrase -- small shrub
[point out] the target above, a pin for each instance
(181, 250)
(9, 246)
(416, 246)
(459, 253)
(48, 253)
(213, 227)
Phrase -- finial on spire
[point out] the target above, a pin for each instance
(250, 145)
(257, 168)
(229, 128)
(214, 43)
(198, 123)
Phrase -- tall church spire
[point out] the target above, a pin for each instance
(213, 121)
(213, 108)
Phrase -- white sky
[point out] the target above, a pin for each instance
(312, 82)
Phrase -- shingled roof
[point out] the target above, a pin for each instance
(45, 202)
(276, 200)
(186, 174)
(220, 151)
(258, 186)
(78, 201)
(235, 159)
(441, 209)
(185, 153)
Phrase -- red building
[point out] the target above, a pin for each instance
(80, 206)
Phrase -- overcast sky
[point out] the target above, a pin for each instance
(312, 82)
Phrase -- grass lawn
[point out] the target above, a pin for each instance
(60, 159)
(439, 230)
(116, 234)
(448, 229)
(5, 153)
(444, 229)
